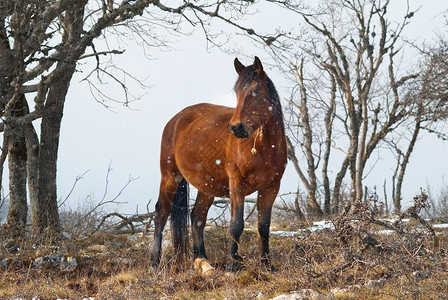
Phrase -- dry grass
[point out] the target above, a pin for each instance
(320, 261)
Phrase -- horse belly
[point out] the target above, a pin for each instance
(201, 163)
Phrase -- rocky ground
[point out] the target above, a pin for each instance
(321, 261)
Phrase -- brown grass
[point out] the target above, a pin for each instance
(320, 261)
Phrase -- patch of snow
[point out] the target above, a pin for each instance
(317, 226)
(376, 283)
(282, 233)
(132, 238)
(440, 225)
(325, 224)
(391, 220)
(298, 295)
(385, 232)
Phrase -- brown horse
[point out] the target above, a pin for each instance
(223, 152)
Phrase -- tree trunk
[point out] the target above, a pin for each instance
(313, 208)
(32, 150)
(329, 117)
(46, 221)
(338, 184)
(397, 197)
(386, 205)
(299, 214)
(18, 208)
(352, 154)
(362, 149)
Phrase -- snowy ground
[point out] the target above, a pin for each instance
(326, 224)
(440, 226)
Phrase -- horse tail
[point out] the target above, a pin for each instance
(179, 219)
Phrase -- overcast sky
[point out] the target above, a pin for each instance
(92, 136)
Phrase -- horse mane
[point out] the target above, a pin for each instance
(246, 77)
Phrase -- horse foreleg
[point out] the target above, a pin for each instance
(198, 219)
(265, 201)
(168, 187)
(236, 228)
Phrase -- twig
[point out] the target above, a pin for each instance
(421, 201)
(227, 204)
(96, 54)
(78, 178)
(103, 200)
(135, 218)
(114, 214)
(250, 213)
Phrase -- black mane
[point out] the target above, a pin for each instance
(246, 77)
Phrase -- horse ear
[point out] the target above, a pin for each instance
(258, 67)
(239, 67)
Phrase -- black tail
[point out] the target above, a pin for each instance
(179, 219)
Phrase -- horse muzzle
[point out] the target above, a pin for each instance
(239, 131)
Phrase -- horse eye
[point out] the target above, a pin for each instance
(257, 90)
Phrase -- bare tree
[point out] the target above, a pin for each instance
(41, 43)
(351, 95)
(428, 94)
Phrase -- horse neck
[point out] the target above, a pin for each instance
(274, 129)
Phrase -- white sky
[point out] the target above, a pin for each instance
(92, 136)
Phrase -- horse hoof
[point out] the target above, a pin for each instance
(154, 262)
(270, 268)
(267, 266)
(203, 266)
(235, 265)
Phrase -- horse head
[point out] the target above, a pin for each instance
(254, 107)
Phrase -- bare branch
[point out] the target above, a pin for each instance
(77, 179)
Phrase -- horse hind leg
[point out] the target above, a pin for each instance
(198, 219)
(167, 191)
(179, 220)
